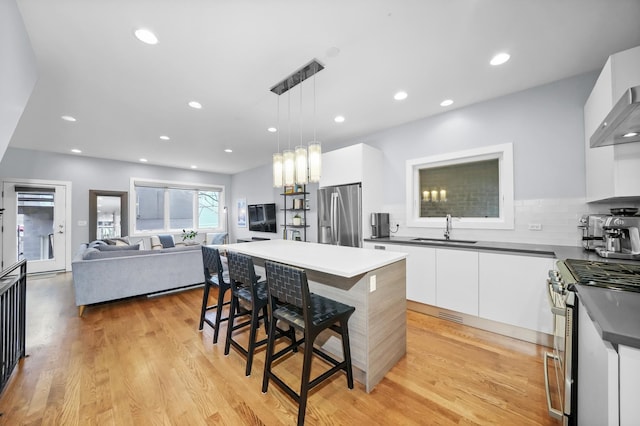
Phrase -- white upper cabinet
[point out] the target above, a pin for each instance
(612, 171)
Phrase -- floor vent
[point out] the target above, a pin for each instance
(450, 317)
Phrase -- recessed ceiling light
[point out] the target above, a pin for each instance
(339, 119)
(400, 96)
(228, 150)
(68, 118)
(500, 59)
(143, 160)
(195, 105)
(165, 138)
(76, 151)
(272, 129)
(446, 102)
(146, 36)
(193, 166)
(630, 134)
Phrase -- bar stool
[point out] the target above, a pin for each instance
(248, 296)
(214, 276)
(311, 314)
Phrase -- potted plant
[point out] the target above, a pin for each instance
(189, 236)
(297, 220)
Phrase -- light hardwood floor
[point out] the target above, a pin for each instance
(142, 361)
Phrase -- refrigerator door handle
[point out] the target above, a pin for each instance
(334, 218)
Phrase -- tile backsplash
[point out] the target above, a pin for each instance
(558, 220)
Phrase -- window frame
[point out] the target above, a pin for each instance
(502, 152)
(166, 185)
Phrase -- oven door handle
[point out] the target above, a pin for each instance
(553, 412)
(556, 310)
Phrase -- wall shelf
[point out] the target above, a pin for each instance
(291, 199)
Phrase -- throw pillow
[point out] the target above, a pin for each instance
(96, 243)
(118, 241)
(118, 248)
(166, 240)
(216, 237)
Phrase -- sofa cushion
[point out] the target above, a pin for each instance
(118, 247)
(91, 253)
(166, 240)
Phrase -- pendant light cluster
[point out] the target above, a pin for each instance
(304, 164)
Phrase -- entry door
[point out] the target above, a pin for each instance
(34, 226)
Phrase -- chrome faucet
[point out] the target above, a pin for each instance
(447, 230)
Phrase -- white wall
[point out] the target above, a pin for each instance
(91, 173)
(17, 70)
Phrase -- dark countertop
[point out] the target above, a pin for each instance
(616, 314)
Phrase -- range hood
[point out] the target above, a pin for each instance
(622, 124)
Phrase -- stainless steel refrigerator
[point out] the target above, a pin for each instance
(340, 215)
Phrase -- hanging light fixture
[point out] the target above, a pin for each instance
(315, 150)
(287, 155)
(277, 157)
(304, 164)
(301, 154)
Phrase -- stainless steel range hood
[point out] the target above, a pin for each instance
(622, 124)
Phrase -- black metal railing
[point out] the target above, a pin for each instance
(13, 292)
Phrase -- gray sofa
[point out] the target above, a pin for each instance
(100, 276)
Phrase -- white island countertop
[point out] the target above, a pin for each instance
(336, 260)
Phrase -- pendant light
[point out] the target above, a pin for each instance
(277, 157)
(301, 153)
(315, 150)
(305, 164)
(288, 157)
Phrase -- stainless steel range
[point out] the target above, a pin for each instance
(614, 276)
(561, 373)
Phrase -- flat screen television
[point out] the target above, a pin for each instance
(262, 217)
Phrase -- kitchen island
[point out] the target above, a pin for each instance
(372, 281)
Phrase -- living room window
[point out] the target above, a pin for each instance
(174, 206)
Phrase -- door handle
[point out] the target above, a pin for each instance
(553, 412)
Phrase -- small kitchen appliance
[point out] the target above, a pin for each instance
(592, 233)
(621, 238)
(379, 225)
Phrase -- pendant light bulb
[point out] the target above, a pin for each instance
(288, 159)
(315, 161)
(301, 165)
(277, 170)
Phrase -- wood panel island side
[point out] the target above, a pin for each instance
(373, 281)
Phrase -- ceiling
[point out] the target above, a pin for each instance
(228, 54)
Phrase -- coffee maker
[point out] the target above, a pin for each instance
(592, 233)
(621, 238)
(379, 225)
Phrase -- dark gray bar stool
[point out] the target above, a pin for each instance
(311, 314)
(214, 276)
(248, 297)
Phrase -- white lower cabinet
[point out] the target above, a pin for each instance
(421, 271)
(512, 290)
(457, 280)
(483, 284)
(629, 385)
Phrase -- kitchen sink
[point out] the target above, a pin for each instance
(444, 241)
